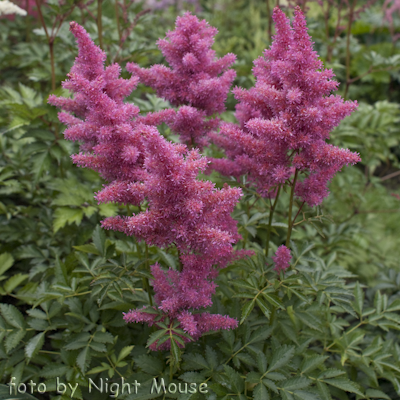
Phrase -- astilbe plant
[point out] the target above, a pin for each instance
(141, 165)
(197, 80)
(285, 120)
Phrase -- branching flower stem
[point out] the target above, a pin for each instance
(271, 214)
(290, 224)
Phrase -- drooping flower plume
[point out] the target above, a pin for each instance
(197, 79)
(286, 118)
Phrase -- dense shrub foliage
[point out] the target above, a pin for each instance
(239, 259)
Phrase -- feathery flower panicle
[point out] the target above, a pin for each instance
(196, 79)
(139, 165)
(193, 215)
(286, 118)
(98, 118)
(282, 258)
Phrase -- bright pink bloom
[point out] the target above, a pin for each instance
(141, 165)
(286, 118)
(282, 258)
(196, 79)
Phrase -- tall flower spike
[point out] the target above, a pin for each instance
(196, 79)
(103, 123)
(193, 215)
(286, 118)
(139, 163)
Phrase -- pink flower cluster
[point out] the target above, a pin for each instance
(141, 165)
(197, 80)
(282, 258)
(286, 118)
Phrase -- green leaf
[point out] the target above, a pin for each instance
(192, 377)
(269, 384)
(100, 347)
(236, 381)
(6, 262)
(262, 362)
(395, 306)
(53, 370)
(195, 361)
(155, 336)
(36, 313)
(246, 310)
(65, 215)
(359, 299)
(304, 395)
(103, 337)
(274, 300)
(376, 394)
(263, 306)
(76, 344)
(344, 384)
(149, 364)
(34, 345)
(260, 393)
(99, 239)
(87, 248)
(125, 352)
(253, 377)
(296, 383)
(167, 258)
(309, 364)
(260, 334)
(98, 369)
(276, 376)
(378, 302)
(14, 339)
(14, 281)
(12, 316)
(281, 357)
(330, 373)
(175, 351)
(324, 391)
(83, 359)
(212, 357)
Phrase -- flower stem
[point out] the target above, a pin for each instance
(290, 224)
(349, 24)
(117, 18)
(50, 41)
(99, 23)
(271, 214)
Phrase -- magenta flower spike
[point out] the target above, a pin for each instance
(286, 118)
(140, 164)
(282, 258)
(196, 79)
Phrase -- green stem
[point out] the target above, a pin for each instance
(350, 22)
(271, 214)
(99, 23)
(117, 18)
(179, 260)
(147, 283)
(290, 225)
(50, 41)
